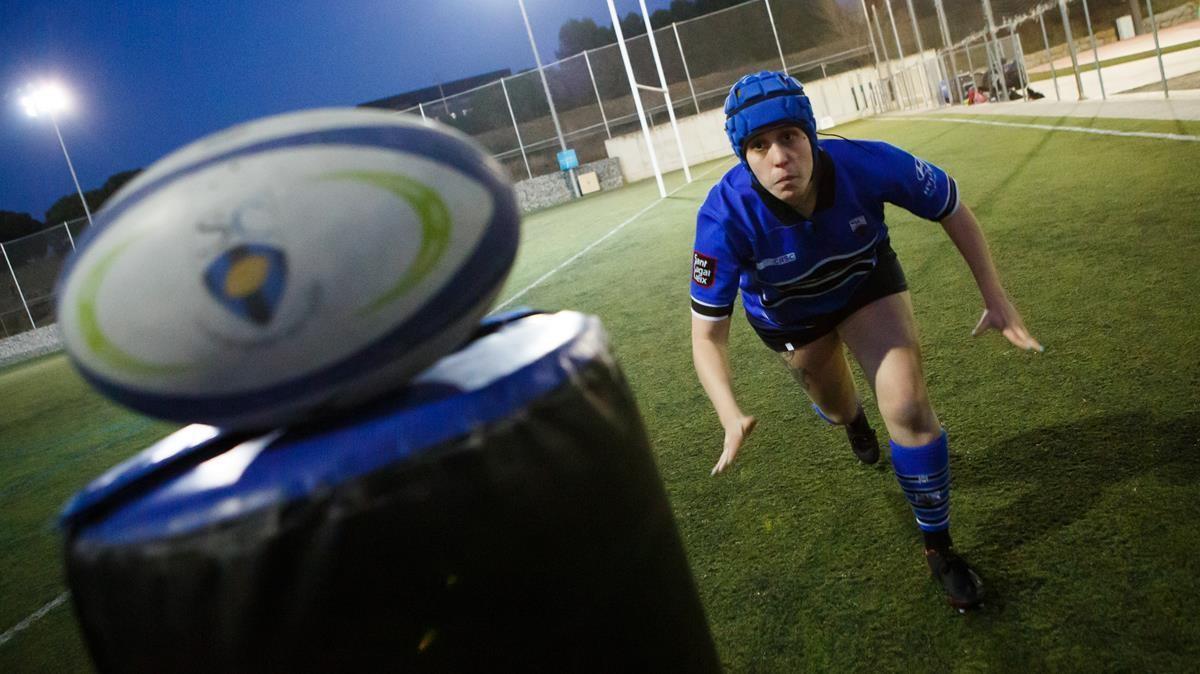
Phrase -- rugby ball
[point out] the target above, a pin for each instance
(288, 266)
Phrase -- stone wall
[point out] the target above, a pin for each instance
(29, 345)
(553, 189)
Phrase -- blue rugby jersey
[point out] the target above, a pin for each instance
(791, 269)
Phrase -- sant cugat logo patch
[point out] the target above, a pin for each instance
(248, 280)
(703, 268)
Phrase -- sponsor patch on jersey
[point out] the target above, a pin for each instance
(776, 261)
(703, 269)
(858, 223)
(925, 176)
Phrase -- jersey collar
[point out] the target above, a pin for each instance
(826, 185)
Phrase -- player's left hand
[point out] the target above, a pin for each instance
(1003, 316)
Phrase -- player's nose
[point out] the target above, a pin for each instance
(778, 154)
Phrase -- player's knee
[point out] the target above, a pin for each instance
(912, 413)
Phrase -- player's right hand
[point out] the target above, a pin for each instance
(736, 433)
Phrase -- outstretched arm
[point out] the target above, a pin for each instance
(998, 313)
(710, 353)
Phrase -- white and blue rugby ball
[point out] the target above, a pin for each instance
(286, 266)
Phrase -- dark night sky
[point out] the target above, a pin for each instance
(150, 76)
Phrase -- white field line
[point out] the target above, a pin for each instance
(597, 242)
(33, 617)
(1048, 127)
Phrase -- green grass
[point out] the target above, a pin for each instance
(1076, 471)
(1107, 63)
(56, 435)
(1175, 126)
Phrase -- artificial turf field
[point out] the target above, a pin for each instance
(1076, 486)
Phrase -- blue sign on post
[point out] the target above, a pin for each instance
(567, 160)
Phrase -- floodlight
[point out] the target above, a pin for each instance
(47, 98)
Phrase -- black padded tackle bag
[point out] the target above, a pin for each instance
(501, 512)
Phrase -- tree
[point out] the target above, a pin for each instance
(68, 207)
(632, 25)
(682, 10)
(15, 225)
(579, 35)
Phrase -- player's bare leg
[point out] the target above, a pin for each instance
(821, 369)
(883, 337)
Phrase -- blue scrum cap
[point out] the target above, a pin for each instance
(766, 99)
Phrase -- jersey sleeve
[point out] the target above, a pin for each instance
(715, 270)
(917, 186)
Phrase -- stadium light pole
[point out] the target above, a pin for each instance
(562, 143)
(48, 99)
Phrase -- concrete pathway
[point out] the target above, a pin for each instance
(1125, 76)
(1119, 78)
(1167, 37)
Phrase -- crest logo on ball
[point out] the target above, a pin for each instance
(249, 280)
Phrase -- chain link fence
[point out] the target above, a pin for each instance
(920, 53)
(700, 58)
(873, 56)
(31, 266)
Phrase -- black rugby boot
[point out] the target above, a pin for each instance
(862, 438)
(963, 587)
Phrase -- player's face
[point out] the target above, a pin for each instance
(782, 160)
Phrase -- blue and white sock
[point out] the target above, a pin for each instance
(924, 475)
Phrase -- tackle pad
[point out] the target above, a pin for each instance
(502, 511)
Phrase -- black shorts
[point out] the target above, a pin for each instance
(887, 278)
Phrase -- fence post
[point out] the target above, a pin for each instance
(71, 235)
(921, 51)
(955, 90)
(870, 36)
(1157, 48)
(537, 59)
(17, 283)
(686, 73)
(1049, 58)
(1066, 19)
(1019, 58)
(513, 117)
(900, 50)
(995, 53)
(891, 92)
(596, 89)
(771, 19)
(445, 105)
(1087, 17)
(991, 68)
